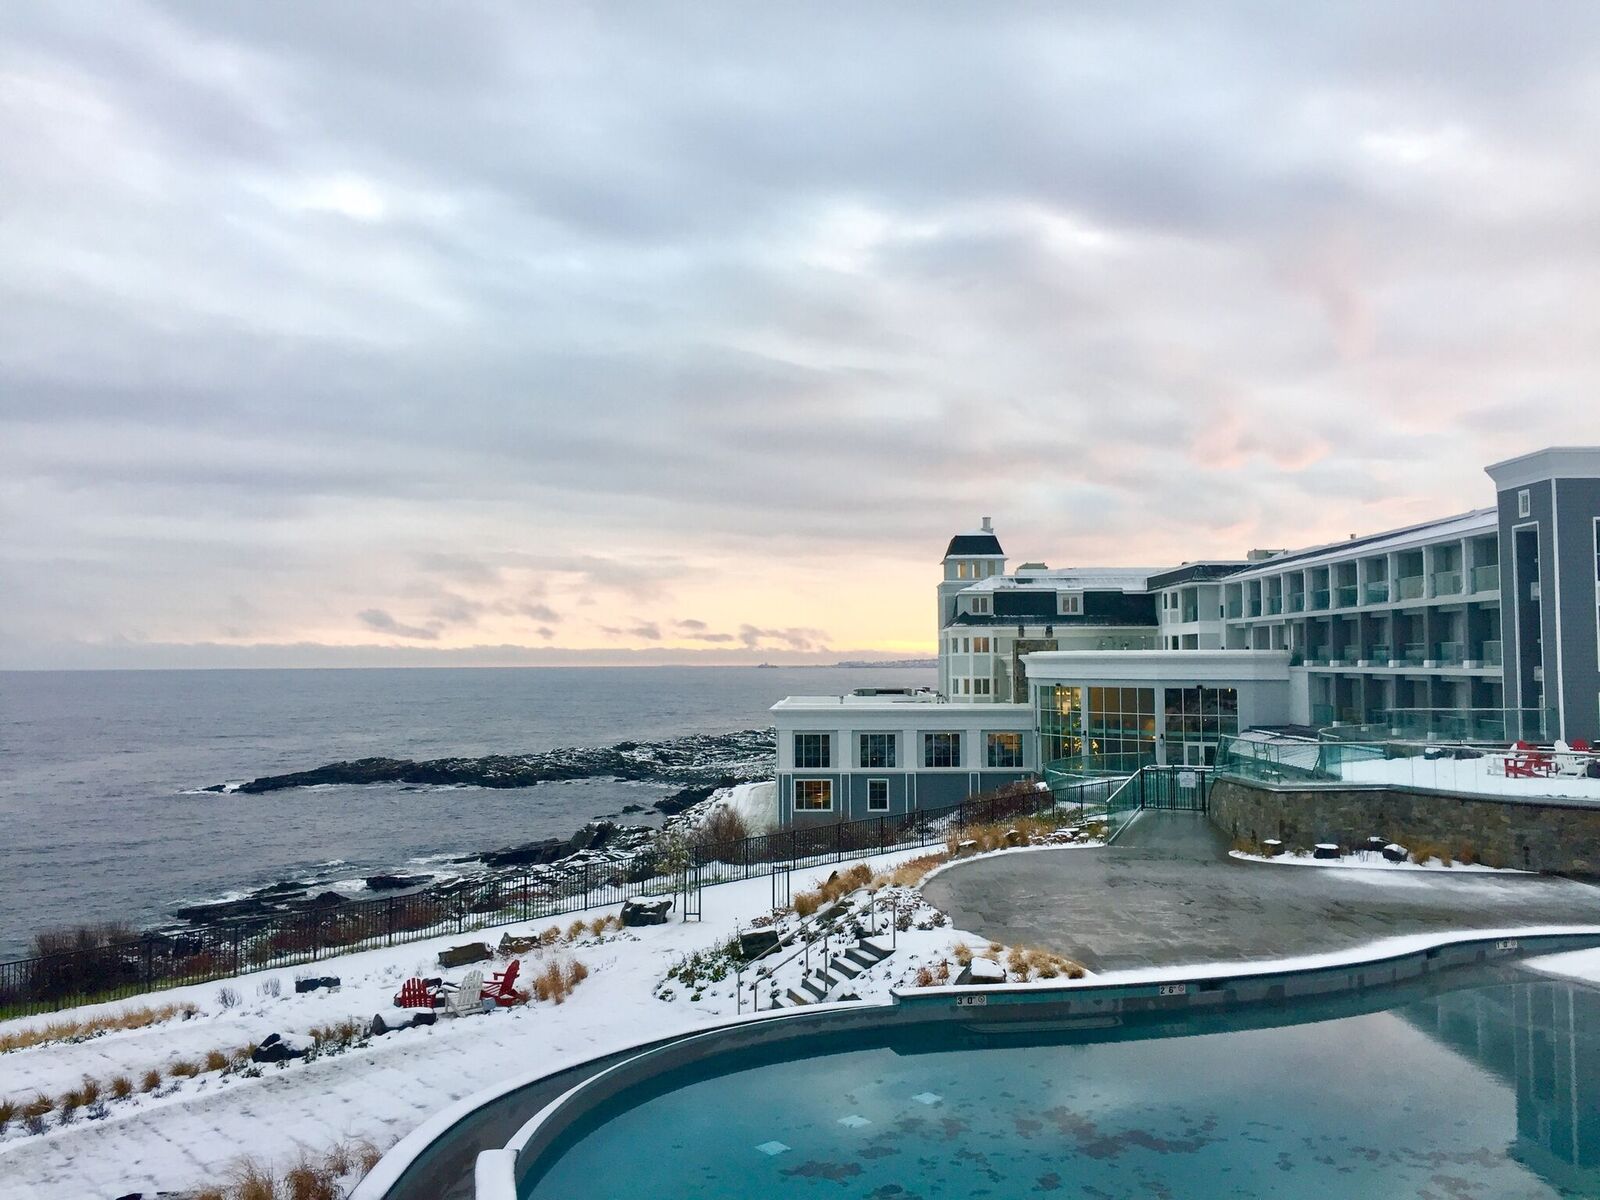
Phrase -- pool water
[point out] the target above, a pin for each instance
(1490, 1091)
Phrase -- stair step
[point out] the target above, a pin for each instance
(797, 998)
(847, 968)
(818, 990)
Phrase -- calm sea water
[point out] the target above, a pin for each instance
(100, 820)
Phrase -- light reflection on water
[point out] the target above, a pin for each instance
(1487, 1092)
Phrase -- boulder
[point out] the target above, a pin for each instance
(1015, 837)
(1325, 850)
(753, 943)
(544, 851)
(311, 983)
(1396, 853)
(964, 848)
(394, 883)
(982, 971)
(277, 1048)
(460, 956)
(1374, 845)
(510, 945)
(646, 912)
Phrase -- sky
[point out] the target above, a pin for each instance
(480, 333)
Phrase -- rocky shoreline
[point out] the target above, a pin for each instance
(702, 763)
(696, 760)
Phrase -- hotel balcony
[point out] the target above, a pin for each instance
(1274, 606)
(1486, 579)
(1297, 602)
(1319, 599)
(1347, 596)
(1489, 654)
(1380, 655)
(1410, 587)
(1235, 610)
(1449, 654)
(1447, 583)
(1414, 654)
(1377, 592)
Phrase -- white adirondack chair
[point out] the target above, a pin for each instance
(467, 998)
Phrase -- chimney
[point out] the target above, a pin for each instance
(988, 526)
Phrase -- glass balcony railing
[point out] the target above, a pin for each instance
(1255, 608)
(1274, 606)
(1447, 583)
(1345, 596)
(1235, 610)
(1486, 579)
(1489, 654)
(1297, 602)
(1347, 657)
(1450, 654)
(1414, 652)
(1319, 599)
(1380, 654)
(1409, 587)
(1376, 592)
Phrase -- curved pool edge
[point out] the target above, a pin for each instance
(498, 1173)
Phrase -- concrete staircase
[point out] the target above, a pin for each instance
(819, 982)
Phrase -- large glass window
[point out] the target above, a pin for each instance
(1060, 722)
(1120, 727)
(1199, 715)
(941, 749)
(813, 795)
(812, 751)
(1005, 750)
(877, 795)
(877, 750)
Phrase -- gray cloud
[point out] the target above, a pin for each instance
(301, 300)
(383, 622)
(648, 631)
(754, 638)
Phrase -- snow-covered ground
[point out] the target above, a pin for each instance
(191, 1130)
(1366, 862)
(1484, 776)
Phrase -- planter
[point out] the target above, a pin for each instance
(1325, 850)
(1272, 847)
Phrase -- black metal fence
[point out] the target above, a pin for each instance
(96, 967)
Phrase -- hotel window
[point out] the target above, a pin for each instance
(1005, 750)
(1071, 605)
(812, 751)
(813, 795)
(941, 749)
(980, 604)
(980, 645)
(877, 750)
(1524, 503)
(877, 795)
(966, 645)
(981, 687)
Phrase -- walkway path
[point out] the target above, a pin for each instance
(1167, 893)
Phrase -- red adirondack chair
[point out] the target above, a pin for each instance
(1528, 762)
(415, 993)
(502, 989)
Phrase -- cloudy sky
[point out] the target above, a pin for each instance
(360, 333)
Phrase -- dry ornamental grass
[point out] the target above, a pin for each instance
(61, 1031)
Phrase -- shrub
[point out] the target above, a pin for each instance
(83, 959)
(271, 988)
(121, 1087)
(307, 1180)
(721, 836)
(184, 1069)
(150, 1081)
(8, 1113)
(216, 1060)
(924, 977)
(227, 998)
(89, 1091)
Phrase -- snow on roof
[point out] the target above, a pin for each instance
(1479, 520)
(1126, 579)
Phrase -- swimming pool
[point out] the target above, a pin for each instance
(1487, 1090)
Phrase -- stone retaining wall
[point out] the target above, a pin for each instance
(1559, 837)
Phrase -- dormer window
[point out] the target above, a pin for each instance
(980, 604)
(1070, 603)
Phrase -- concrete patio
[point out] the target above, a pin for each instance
(1166, 893)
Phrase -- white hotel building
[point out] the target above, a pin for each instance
(1481, 626)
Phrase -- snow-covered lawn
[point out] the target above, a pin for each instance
(1367, 862)
(191, 1130)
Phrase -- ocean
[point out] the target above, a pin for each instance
(102, 816)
